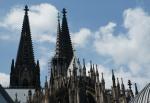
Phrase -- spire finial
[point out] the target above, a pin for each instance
(12, 64)
(91, 64)
(136, 89)
(103, 81)
(122, 87)
(45, 78)
(102, 75)
(113, 78)
(118, 84)
(64, 11)
(122, 80)
(46, 83)
(26, 9)
(83, 62)
(97, 74)
(130, 84)
(118, 80)
(58, 16)
(130, 88)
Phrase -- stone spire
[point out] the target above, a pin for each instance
(26, 74)
(136, 89)
(58, 41)
(113, 79)
(84, 68)
(130, 88)
(91, 69)
(12, 65)
(118, 87)
(46, 83)
(25, 53)
(12, 71)
(97, 74)
(122, 87)
(102, 80)
(65, 40)
(38, 82)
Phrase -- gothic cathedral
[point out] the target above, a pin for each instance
(68, 82)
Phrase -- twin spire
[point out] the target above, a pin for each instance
(64, 48)
(25, 53)
(63, 43)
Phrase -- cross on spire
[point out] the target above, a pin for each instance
(26, 9)
(64, 11)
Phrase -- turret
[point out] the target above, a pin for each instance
(91, 69)
(113, 79)
(97, 75)
(46, 83)
(122, 87)
(37, 73)
(12, 65)
(84, 68)
(103, 82)
(130, 89)
(118, 87)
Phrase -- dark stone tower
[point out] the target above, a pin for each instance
(64, 50)
(25, 73)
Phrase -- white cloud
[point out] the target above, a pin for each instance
(81, 38)
(45, 56)
(42, 17)
(4, 79)
(119, 73)
(131, 48)
(4, 37)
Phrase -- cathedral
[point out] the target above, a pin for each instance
(69, 82)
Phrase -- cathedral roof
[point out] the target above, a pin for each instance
(22, 94)
(143, 96)
(4, 97)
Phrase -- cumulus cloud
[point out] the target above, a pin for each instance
(4, 37)
(42, 17)
(45, 57)
(81, 38)
(4, 79)
(130, 48)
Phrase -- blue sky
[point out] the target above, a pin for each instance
(104, 31)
